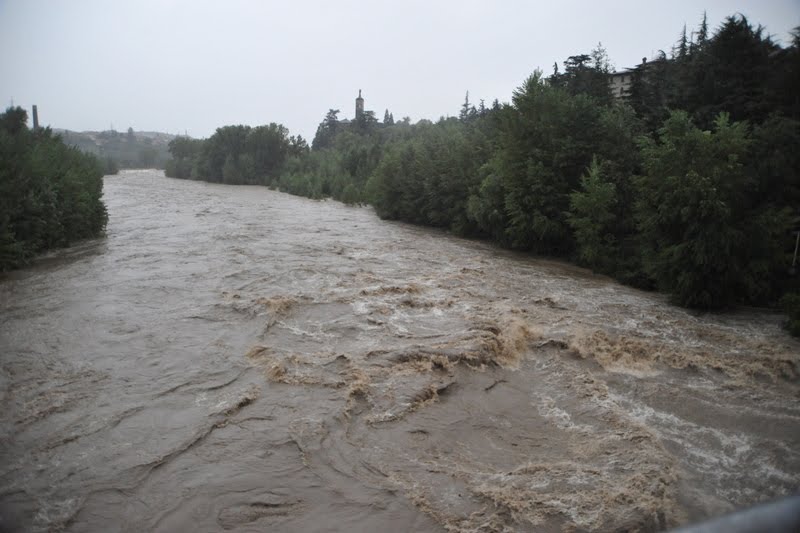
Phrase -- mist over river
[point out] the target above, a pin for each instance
(234, 358)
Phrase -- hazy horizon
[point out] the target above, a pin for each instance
(176, 66)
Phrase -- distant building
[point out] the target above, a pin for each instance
(620, 83)
(359, 106)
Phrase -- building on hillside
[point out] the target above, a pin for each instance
(359, 106)
(359, 111)
(620, 83)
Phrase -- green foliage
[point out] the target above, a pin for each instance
(739, 70)
(427, 179)
(703, 241)
(468, 111)
(593, 219)
(235, 155)
(185, 153)
(366, 122)
(50, 194)
(652, 90)
(327, 130)
(731, 73)
(585, 74)
(775, 160)
(486, 206)
(546, 141)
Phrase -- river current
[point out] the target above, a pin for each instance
(234, 358)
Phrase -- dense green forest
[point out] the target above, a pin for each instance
(688, 185)
(50, 193)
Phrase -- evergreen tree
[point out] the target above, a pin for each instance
(586, 74)
(650, 93)
(327, 130)
(593, 219)
(468, 111)
(683, 46)
(702, 240)
(730, 74)
(702, 32)
(366, 122)
(547, 142)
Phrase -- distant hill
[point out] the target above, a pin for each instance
(131, 149)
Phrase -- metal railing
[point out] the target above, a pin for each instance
(773, 517)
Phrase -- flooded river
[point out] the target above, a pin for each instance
(234, 358)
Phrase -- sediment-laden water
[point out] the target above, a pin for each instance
(233, 358)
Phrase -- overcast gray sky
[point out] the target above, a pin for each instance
(192, 65)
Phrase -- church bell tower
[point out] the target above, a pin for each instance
(359, 106)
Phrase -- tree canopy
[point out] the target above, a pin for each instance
(50, 193)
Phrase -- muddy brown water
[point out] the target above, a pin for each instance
(233, 358)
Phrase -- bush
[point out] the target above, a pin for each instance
(50, 194)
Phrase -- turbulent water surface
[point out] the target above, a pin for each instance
(233, 358)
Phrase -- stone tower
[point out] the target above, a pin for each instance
(35, 118)
(359, 106)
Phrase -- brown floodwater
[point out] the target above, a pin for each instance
(234, 358)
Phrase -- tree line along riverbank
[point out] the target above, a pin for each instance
(50, 193)
(687, 184)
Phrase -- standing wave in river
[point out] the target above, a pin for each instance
(233, 358)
